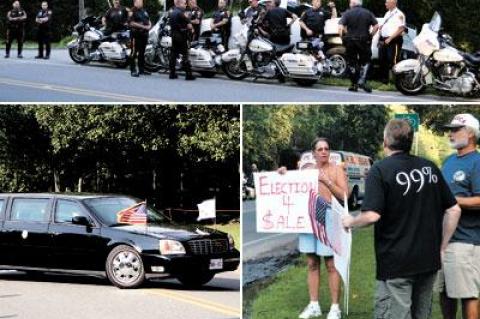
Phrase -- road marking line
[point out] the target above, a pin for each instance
(77, 91)
(263, 239)
(207, 304)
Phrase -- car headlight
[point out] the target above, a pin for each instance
(231, 242)
(171, 247)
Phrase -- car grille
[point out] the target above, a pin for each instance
(208, 246)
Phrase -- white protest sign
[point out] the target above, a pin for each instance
(341, 242)
(282, 201)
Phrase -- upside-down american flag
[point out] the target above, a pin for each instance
(317, 210)
(136, 214)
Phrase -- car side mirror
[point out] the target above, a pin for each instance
(80, 220)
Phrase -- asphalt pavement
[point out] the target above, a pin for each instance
(56, 296)
(61, 80)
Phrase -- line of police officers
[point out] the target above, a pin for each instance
(357, 27)
(16, 19)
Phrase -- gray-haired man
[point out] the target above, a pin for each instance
(415, 214)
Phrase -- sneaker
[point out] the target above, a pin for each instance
(311, 311)
(334, 314)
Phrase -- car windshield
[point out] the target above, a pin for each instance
(107, 209)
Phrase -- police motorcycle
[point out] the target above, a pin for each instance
(254, 55)
(439, 64)
(204, 54)
(90, 44)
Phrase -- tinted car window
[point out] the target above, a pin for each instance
(30, 209)
(66, 210)
(107, 208)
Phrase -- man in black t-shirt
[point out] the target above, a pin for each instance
(43, 20)
(221, 22)
(140, 24)
(115, 19)
(415, 215)
(275, 24)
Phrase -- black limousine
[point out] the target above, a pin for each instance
(91, 234)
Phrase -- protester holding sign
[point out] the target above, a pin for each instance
(332, 181)
(415, 215)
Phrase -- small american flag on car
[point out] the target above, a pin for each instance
(317, 210)
(136, 214)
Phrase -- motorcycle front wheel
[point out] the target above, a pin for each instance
(235, 70)
(153, 63)
(338, 64)
(77, 55)
(405, 84)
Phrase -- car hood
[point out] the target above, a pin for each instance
(172, 232)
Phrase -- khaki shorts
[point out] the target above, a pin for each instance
(461, 271)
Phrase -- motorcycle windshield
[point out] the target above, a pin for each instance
(436, 22)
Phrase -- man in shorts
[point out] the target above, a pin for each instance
(461, 264)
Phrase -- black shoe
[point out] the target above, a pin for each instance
(7, 56)
(366, 88)
(145, 72)
(353, 88)
(134, 74)
(46, 57)
(20, 56)
(39, 57)
(173, 76)
(189, 77)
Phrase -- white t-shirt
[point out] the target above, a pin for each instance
(393, 20)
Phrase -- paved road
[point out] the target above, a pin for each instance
(257, 245)
(61, 80)
(79, 297)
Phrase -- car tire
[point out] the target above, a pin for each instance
(124, 267)
(195, 280)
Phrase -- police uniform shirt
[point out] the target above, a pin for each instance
(276, 19)
(393, 20)
(462, 174)
(411, 196)
(44, 14)
(195, 13)
(16, 13)
(116, 16)
(219, 16)
(358, 21)
(178, 20)
(256, 14)
(315, 20)
(139, 16)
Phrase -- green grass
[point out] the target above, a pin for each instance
(376, 85)
(232, 228)
(286, 295)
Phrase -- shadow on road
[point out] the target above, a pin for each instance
(217, 284)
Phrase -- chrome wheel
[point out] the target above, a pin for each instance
(124, 267)
(339, 65)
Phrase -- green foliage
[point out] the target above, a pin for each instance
(175, 155)
(269, 131)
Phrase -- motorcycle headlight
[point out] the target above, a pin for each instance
(231, 242)
(171, 247)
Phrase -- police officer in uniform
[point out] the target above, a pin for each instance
(181, 27)
(15, 30)
(115, 19)
(196, 15)
(221, 22)
(140, 24)
(275, 24)
(354, 28)
(43, 19)
(391, 39)
(312, 21)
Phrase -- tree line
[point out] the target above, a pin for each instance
(174, 156)
(460, 16)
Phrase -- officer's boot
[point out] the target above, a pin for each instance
(362, 81)
(133, 71)
(188, 72)
(353, 79)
